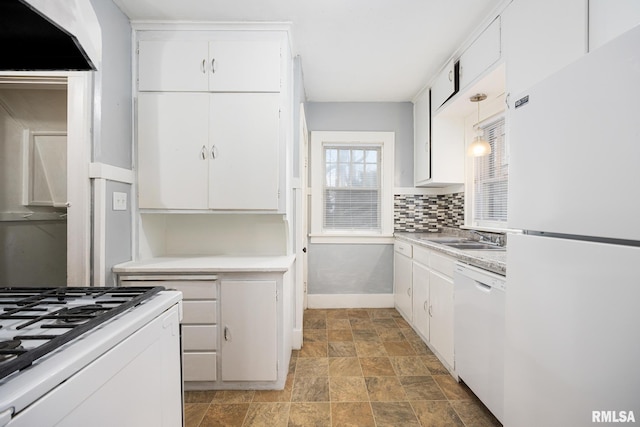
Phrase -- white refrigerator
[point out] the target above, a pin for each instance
(572, 345)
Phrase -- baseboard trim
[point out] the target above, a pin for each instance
(350, 301)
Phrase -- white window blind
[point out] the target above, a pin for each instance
(491, 176)
(352, 192)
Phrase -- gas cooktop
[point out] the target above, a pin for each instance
(36, 321)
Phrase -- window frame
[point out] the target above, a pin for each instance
(386, 142)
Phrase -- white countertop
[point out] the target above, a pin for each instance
(207, 264)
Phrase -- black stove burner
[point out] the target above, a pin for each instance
(79, 314)
(33, 309)
(9, 349)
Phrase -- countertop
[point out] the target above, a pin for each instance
(208, 264)
(491, 260)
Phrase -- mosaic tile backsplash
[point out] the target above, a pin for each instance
(421, 212)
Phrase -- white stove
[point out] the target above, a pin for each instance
(99, 356)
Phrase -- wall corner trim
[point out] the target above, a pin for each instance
(111, 173)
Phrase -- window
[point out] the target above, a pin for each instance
(490, 179)
(352, 177)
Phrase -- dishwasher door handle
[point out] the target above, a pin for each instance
(483, 287)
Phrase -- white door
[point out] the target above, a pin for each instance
(441, 325)
(244, 147)
(244, 66)
(420, 282)
(249, 330)
(173, 65)
(173, 151)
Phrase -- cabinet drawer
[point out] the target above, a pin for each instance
(199, 337)
(403, 248)
(442, 263)
(200, 312)
(191, 289)
(421, 255)
(199, 366)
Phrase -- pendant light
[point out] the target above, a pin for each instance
(479, 146)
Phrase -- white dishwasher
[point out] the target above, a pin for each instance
(479, 325)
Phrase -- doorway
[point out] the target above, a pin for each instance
(44, 186)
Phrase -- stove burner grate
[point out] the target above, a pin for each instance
(10, 349)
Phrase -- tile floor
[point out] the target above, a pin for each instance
(358, 367)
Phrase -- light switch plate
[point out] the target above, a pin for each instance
(119, 201)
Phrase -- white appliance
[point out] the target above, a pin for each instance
(90, 356)
(572, 349)
(479, 338)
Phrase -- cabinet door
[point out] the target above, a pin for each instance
(244, 66)
(541, 37)
(441, 327)
(172, 65)
(483, 53)
(444, 86)
(421, 143)
(249, 330)
(402, 284)
(609, 19)
(244, 170)
(173, 150)
(421, 299)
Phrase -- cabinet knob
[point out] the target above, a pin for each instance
(203, 66)
(424, 306)
(409, 291)
(450, 75)
(214, 152)
(430, 310)
(227, 334)
(213, 68)
(203, 153)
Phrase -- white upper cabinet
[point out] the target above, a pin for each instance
(216, 65)
(445, 85)
(609, 19)
(482, 54)
(541, 37)
(422, 142)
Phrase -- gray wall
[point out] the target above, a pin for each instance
(113, 123)
(360, 269)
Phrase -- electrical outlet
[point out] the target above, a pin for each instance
(119, 201)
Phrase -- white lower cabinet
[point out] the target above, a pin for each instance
(249, 337)
(402, 292)
(431, 284)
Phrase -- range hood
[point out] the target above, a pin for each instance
(34, 42)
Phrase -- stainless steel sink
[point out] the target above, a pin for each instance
(475, 246)
(444, 240)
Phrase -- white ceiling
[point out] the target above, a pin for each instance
(350, 50)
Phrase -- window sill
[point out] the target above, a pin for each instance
(351, 239)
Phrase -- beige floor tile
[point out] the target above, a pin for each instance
(376, 367)
(356, 313)
(394, 414)
(339, 335)
(400, 348)
(402, 323)
(369, 335)
(389, 334)
(314, 335)
(338, 324)
(384, 323)
(453, 389)
(381, 313)
(193, 413)
(360, 323)
(312, 367)
(225, 414)
(421, 388)
(370, 349)
(474, 414)
(316, 313)
(313, 349)
(267, 415)
(385, 389)
(436, 413)
(205, 396)
(234, 396)
(408, 366)
(348, 389)
(351, 414)
(344, 367)
(337, 314)
(434, 365)
(314, 322)
(310, 389)
(310, 415)
(342, 349)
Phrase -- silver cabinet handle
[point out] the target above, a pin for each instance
(409, 291)
(227, 334)
(214, 152)
(213, 69)
(203, 153)
(426, 147)
(430, 310)
(506, 100)
(424, 306)
(203, 66)
(450, 75)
